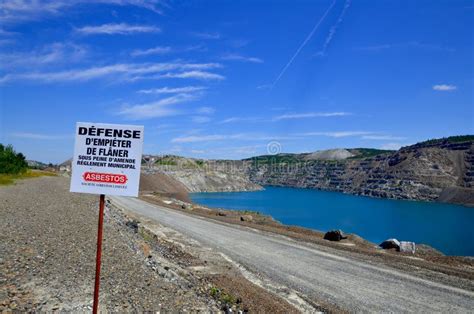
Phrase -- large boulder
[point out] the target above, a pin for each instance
(335, 235)
(248, 218)
(390, 244)
(408, 247)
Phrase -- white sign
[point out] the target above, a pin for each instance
(107, 159)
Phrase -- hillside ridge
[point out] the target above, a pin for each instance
(434, 170)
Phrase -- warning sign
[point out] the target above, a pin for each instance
(107, 159)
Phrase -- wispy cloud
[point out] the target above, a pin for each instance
(152, 51)
(333, 29)
(409, 44)
(39, 136)
(121, 72)
(336, 134)
(240, 119)
(310, 115)
(120, 29)
(203, 114)
(238, 43)
(237, 57)
(4, 42)
(222, 137)
(383, 137)
(53, 53)
(173, 90)
(444, 87)
(5, 33)
(201, 119)
(200, 75)
(200, 138)
(265, 86)
(206, 35)
(156, 109)
(206, 110)
(308, 38)
(15, 11)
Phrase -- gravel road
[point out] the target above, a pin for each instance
(316, 273)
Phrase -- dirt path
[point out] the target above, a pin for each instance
(315, 272)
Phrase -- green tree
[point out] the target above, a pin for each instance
(11, 162)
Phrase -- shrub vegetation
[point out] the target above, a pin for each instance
(11, 162)
(14, 166)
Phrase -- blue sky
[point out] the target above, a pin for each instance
(223, 79)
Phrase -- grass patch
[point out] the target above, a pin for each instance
(249, 212)
(361, 153)
(287, 159)
(222, 296)
(145, 235)
(6, 179)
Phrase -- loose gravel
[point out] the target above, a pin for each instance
(47, 257)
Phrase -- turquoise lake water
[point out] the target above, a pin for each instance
(446, 227)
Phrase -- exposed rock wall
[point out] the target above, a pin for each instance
(439, 171)
(416, 172)
(202, 180)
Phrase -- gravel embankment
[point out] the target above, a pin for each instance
(47, 256)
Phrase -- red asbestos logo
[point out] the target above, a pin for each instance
(105, 177)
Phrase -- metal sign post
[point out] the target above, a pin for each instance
(98, 254)
(107, 160)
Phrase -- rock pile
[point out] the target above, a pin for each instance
(335, 235)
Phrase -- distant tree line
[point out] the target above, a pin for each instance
(11, 162)
(450, 139)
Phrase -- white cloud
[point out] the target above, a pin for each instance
(201, 119)
(121, 29)
(152, 51)
(173, 90)
(310, 115)
(444, 87)
(6, 33)
(221, 137)
(200, 75)
(383, 137)
(15, 11)
(39, 136)
(50, 54)
(236, 57)
(120, 72)
(337, 134)
(230, 120)
(206, 110)
(4, 42)
(200, 138)
(156, 109)
(265, 86)
(206, 35)
(410, 44)
(240, 119)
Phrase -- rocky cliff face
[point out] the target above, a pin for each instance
(197, 175)
(441, 171)
(201, 180)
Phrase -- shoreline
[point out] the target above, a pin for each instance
(467, 205)
(425, 256)
(370, 233)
